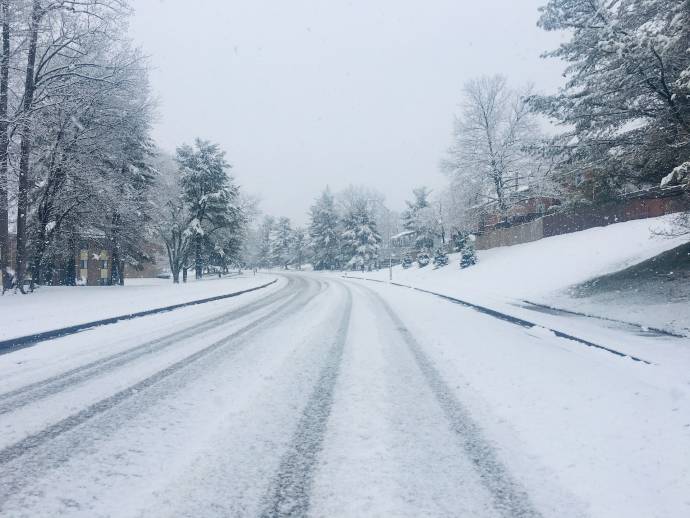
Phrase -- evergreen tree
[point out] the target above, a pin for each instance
(228, 244)
(423, 259)
(264, 253)
(361, 241)
(626, 104)
(281, 243)
(324, 233)
(419, 218)
(440, 258)
(299, 247)
(209, 193)
(468, 253)
(407, 261)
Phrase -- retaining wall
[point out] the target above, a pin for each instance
(643, 206)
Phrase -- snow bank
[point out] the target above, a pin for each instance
(59, 306)
(542, 271)
(542, 267)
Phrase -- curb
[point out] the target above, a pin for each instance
(509, 318)
(21, 342)
(659, 330)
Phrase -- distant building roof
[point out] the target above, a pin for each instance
(403, 234)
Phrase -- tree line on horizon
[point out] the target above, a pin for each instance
(343, 232)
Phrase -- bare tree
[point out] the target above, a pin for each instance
(37, 12)
(491, 138)
(456, 203)
(60, 42)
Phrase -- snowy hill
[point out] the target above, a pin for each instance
(544, 270)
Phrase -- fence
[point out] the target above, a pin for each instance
(647, 204)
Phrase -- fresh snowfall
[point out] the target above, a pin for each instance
(330, 308)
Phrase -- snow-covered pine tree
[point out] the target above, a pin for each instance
(208, 191)
(423, 258)
(281, 243)
(228, 243)
(468, 252)
(264, 259)
(407, 261)
(440, 258)
(626, 104)
(419, 217)
(361, 241)
(300, 247)
(324, 232)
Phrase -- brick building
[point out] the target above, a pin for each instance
(93, 266)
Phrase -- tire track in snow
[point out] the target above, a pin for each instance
(289, 493)
(17, 475)
(15, 399)
(510, 498)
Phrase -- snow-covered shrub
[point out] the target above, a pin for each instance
(468, 253)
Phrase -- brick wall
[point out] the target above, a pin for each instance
(644, 205)
(511, 235)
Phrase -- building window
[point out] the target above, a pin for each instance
(104, 264)
(83, 264)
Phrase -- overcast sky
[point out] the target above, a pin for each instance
(304, 93)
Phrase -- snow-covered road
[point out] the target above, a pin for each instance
(329, 397)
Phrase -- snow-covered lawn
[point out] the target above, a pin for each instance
(60, 306)
(542, 271)
(539, 268)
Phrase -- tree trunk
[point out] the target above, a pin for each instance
(184, 274)
(173, 261)
(70, 273)
(198, 266)
(25, 146)
(4, 146)
(114, 264)
(500, 194)
(114, 256)
(37, 260)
